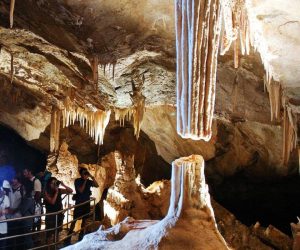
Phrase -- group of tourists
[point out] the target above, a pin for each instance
(25, 194)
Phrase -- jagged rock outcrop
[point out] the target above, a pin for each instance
(237, 235)
(64, 166)
(128, 197)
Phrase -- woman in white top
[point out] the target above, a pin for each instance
(4, 206)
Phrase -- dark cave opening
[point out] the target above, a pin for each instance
(16, 153)
(272, 202)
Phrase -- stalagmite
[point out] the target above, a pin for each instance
(289, 134)
(54, 129)
(92, 119)
(189, 211)
(197, 42)
(11, 13)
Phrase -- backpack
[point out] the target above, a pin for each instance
(38, 208)
(47, 175)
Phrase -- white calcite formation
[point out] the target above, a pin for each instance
(136, 111)
(92, 119)
(197, 42)
(235, 29)
(189, 224)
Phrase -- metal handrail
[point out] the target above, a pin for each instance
(47, 214)
(56, 240)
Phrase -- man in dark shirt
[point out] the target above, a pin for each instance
(83, 193)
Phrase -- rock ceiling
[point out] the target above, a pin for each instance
(48, 53)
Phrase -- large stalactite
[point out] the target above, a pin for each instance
(289, 134)
(197, 42)
(55, 129)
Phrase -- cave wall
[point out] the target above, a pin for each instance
(16, 153)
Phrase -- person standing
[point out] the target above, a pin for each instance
(4, 206)
(15, 198)
(53, 203)
(27, 208)
(83, 194)
(37, 191)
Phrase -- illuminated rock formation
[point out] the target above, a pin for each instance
(189, 214)
(235, 29)
(64, 166)
(197, 42)
(125, 197)
(92, 119)
(138, 107)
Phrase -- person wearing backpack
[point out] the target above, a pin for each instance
(44, 176)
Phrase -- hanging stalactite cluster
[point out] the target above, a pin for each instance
(93, 120)
(122, 115)
(136, 111)
(235, 29)
(197, 42)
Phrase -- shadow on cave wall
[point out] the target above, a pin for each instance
(16, 153)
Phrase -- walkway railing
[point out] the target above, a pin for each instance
(10, 241)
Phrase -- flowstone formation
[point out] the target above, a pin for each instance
(189, 215)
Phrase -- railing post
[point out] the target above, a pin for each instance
(68, 211)
(94, 215)
(56, 233)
